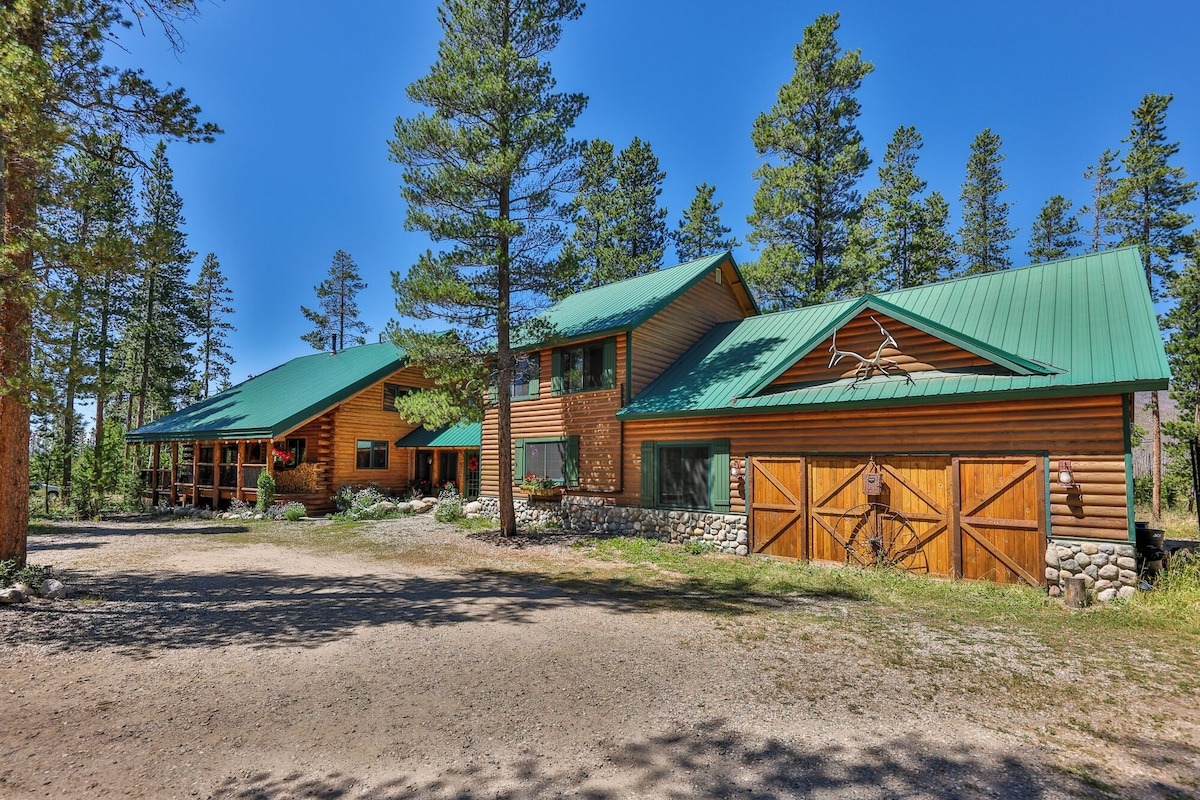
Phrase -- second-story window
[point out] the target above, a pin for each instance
(525, 377)
(584, 367)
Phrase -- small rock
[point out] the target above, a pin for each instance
(1055, 591)
(1092, 571)
(10, 596)
(1125, 550)
(1102, 584)
(1126, 593)
(1051, 575)
(1069, 565)
(1083, 559)
(1099, 560)
(1107, 548)
(742, 550)
(1052, 556)
(473, 507)
(53, 589)
(1128, 576)
(1107, 595)
(1124, 562)
(405, 507)
(1089, 548)
(1110, 572)
(23, 588)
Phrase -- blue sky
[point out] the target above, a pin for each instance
(308, 93)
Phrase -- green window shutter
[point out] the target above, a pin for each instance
(519, 449)
(649, 476)
(570, 447)
(719, 475)
(556, 372)
(492, 393)
(610, 363)
(535, 375)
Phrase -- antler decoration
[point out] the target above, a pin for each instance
(876, 363)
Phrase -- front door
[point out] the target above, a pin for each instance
(448, 468)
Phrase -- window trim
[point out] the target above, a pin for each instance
(535, 361)
(659, 447)
(401, 390)
(570, 458)
(372, 449)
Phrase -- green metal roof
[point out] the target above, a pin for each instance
(1079, 325)
(276, 401)
(464, 434)
(626, 304)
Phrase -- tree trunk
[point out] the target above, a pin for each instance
(508, 514)
(144, 382)
(16, 319)
(101, 385)
(72, 381)
(1156, 463)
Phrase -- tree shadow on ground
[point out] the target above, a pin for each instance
(714, 760)
(147, 613)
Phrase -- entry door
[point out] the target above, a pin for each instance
(448, 468)
(778, 508)
(1003, 518)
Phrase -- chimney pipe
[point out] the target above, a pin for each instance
(333, 344)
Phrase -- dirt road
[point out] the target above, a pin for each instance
(203, 662)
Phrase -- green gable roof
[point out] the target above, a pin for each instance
(626, 304)
(468, 434)
(278, 400)
(1080, 325)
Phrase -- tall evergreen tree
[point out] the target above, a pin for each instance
(806, 201)
(160, 365)
(592, 252)
(934, 251)
(641, 222)
(337, 298)
(1055, 231)
(1182, 326)
(1101, 184)
(984, 236)
(1148, 210)
(700, 232)
(214, 304)
(55, 88)
(485, 175)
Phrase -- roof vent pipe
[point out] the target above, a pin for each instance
(332, 344)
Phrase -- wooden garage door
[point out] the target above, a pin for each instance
(778, 506)
(906, 525)
(1002, 516)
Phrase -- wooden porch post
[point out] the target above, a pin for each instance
(462, 472)
(216, 474)
(154, 480)
(195, 473)
(240, 490)
(956, 552)
(174, 473)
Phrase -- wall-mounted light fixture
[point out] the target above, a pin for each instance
(1066, 478)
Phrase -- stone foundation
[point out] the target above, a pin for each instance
(1109, 569)
(592, 515)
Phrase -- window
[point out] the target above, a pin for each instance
(391, 391)
(525, 377)
(585, 367)
(557, 459)
(371, 454)
(683, 476)
(692, 475)
(256, 453)
(298, 448)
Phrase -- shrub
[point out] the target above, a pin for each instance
(358, 504)
(449, 505)
(266, 490)
(33, 574)
(292, 511)
(700, 547)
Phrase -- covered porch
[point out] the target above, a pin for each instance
(448, 455)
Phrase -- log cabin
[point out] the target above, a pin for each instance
(956, 429)
(316, 423)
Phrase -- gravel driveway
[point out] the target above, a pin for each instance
(205, 664)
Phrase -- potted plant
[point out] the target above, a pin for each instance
(539, 487)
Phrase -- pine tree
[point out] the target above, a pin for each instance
(700, 232)
(214, 302)
(592, 252)
(934, 251)
(160, 364)
(984, 236)
(56, 88)
(1101, 186)
(485, 175)
(1148, 211)
(1055, 231)
(806, 201)
(641, 222)
(1182, 327)
(337, 297)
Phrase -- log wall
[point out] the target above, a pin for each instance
(668, 334)
(917, 352)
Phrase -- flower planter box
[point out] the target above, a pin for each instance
(553, 493)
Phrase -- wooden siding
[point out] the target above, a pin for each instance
(668, 334)
(1087, 430)
(589, 415)
(918, 352)
(362, 417)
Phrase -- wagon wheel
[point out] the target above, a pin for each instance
(873, 535)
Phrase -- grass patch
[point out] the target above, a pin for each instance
(476, 524)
